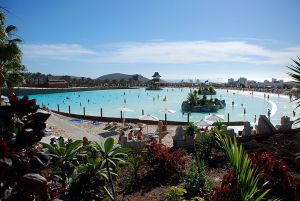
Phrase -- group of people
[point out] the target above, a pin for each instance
(137, 134)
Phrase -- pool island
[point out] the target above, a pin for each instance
(196, 104)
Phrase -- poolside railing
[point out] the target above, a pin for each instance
(131, 120)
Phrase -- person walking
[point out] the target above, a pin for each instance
(269, 113)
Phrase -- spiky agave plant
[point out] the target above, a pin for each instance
(295, 74)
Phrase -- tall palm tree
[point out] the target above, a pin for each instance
(295, 74)
(11, 68)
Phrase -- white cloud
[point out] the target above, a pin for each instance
(55, 51)
(162, 52)
(197, 52)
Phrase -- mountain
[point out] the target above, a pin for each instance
(120, 76)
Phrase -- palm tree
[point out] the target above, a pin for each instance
(211, 91)
(11, 69)
(200, 90)
(192, 98)
(295, 74)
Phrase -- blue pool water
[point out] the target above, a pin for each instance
(152, 102)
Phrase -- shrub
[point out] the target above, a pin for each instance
(22, 126)
(204, 144)
(243, 180)
(176, 193)
(276, 176)
(65, 157)
(197, 183)
(191, 129)
(135, 161)
(164, 160)
(26, 171)
(229, 189)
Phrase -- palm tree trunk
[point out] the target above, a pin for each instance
(110, 180)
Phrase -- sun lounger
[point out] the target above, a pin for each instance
(77, 120)
(109, 133)
(96, 123)
(150, 135)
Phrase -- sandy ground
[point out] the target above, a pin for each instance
(101, 131)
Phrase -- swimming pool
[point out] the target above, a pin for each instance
(171, 98)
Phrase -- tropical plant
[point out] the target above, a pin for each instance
(65, 157)
(192, 98)
(295, 74)
(200, 90)
(275, 174)
(244, 176)
(135, 161)
(11, 69)
(191, 129)
(90, 183)
(176, 193)
(197, 183)
(211, 90)
(164, 160)
(204, 143)
(112, 154)
(22, 126)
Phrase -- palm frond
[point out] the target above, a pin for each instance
(239, 160)
(295, 75)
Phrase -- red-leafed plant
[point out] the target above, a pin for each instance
(276, 176)
(21, 127)
(228, 191)
(272, 174)
(163, 159)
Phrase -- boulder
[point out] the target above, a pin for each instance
(264, 126)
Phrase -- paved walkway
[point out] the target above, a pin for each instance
(72, 131)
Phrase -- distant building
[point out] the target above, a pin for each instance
(156, 82)
(230, 81)
(156, 77)
(252, 83)
(56, 82)
(242, 82)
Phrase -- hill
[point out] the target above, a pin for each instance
(125, 77)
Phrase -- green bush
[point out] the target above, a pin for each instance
(191, 129)
(204, 144)
(243, 177)
(197, 183)
(176, 193)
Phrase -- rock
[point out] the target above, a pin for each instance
(286, 124)
(264, 126)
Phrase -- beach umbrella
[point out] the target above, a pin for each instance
(5, 99)
(166, 112)
(148, 117)
(214, 117)
(123, 110)
(203, 123)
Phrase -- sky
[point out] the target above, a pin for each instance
(181, 39)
